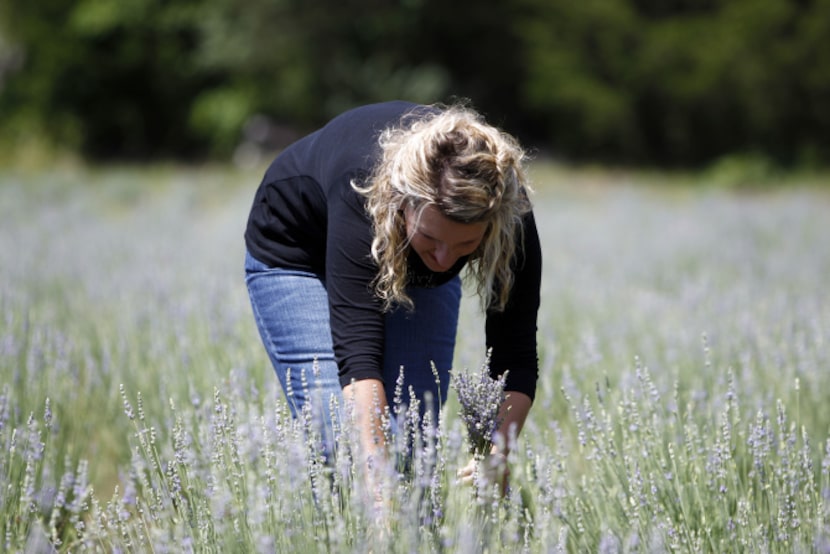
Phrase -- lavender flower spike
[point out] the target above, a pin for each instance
(481, 398)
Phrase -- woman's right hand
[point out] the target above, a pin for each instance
(486, 472)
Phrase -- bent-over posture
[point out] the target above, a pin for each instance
(355, 242)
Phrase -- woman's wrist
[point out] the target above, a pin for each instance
(366, 403)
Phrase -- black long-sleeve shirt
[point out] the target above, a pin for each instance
(307, 216)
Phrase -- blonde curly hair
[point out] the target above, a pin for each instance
(448, 157)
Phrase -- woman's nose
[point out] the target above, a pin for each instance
(443, 256)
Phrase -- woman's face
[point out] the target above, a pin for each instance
(440, 241)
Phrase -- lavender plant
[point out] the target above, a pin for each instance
(480, 398)
(681, 402)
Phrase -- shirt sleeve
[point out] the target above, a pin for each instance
(357, 324)
(511, 334)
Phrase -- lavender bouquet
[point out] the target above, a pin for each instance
(481, 398)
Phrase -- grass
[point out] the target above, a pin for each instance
(681, 404)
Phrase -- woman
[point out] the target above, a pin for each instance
(355, 242)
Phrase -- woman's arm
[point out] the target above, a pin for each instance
(366, 400)
(513, 413)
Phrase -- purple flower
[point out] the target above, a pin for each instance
(481, 398)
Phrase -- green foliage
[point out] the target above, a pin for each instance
(579, 68)
(741, 171)
(643, 81)
(109, 78)
(308, 61)
(680, 83)
(219, 114)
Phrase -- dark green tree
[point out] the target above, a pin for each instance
(105, 76)
(302, 62)
(679, 82)
(669, 82)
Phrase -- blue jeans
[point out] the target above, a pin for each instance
(292, 314)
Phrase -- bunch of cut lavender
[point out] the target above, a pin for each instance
(481, 398)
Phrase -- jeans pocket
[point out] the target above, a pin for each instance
(252, 265)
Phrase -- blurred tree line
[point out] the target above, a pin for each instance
(662, 82)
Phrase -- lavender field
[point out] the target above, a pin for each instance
(683, 403)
